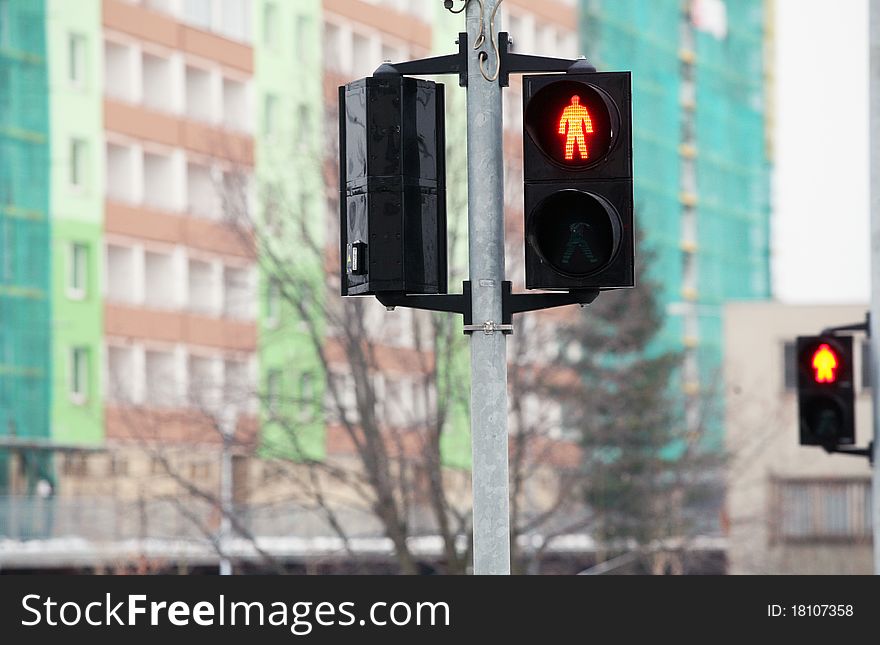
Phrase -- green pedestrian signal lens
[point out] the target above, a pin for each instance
(576, 233)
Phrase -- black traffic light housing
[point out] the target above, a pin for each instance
(392, 185)
(826, 393)
(577, 169)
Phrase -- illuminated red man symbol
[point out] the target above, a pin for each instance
(577, 120)
(824, 362)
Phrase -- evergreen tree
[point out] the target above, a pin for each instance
(641, 467)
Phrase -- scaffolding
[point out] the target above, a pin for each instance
(701, 168)
(24, 237)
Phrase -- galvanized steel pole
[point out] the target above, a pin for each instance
(486, 262)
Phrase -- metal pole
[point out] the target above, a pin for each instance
(874, 117)
(228, 421)
(486, 262)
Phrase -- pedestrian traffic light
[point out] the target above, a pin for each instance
(825, 390)
(392, 186)
(577, 168)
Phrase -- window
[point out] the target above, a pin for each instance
(303, 26)
(198, 12)
(199, 103)
(120, 374)
(273, 390)
(334, 55)
(270, 114)
(79, 375)
(866, 365)
(120, 173)
(235, 112)
(789, 361)
(78, 273)
(76, 54)
(75, 463)
(364, 60)
(235, 19)
(821, 510)
(77, 163)
(156, 82)
(117, 71)
(159, 275)
(118, 466)
(159, 177)
(238, 296)
(120, 273)
(270, 24)
(203, 288)
(237, 386)
(201, 193)
(203, 381)
(273, 303)
(162, 386)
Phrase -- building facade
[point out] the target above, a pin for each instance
(700, 157)
(791, 509)
(142, 291)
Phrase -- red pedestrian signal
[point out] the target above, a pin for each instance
(826, 397)
(574, 124)
(824, 364)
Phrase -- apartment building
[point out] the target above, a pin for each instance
(149, 296)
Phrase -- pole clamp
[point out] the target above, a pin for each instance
(489, 327)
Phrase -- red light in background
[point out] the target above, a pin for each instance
(574, 124)
(825, 364)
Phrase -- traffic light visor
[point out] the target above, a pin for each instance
(573, 123)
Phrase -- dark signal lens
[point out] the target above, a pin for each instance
(576, 233)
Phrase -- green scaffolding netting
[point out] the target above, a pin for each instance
(732, 170)
(724, 110)
(24, 228)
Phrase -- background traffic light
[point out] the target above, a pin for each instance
(577, 167)
(825, 390)
(392, 184)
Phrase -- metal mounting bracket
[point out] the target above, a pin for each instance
(454, 303)
(511, 303)
(508, 63)
(857, 452)
(447, 64)
(511, 63)
(862, 326)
